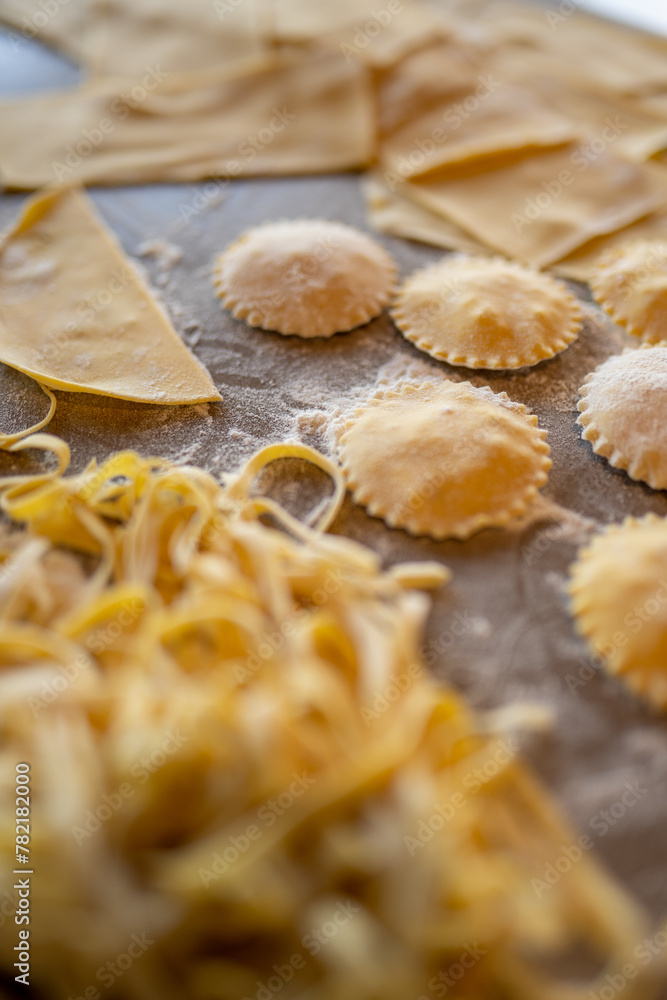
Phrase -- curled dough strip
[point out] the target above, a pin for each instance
(31, 438)
(239, 488)
(7, 441)
(14, 488)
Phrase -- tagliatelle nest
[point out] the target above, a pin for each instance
(242, 778)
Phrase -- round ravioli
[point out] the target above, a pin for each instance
(444, 459)
(307, 277)
(618, 594)
(484, 313)
(623, 412)
(630, 283)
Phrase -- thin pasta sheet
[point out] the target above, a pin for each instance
(540, 208)
(75, 315)
(280, 113)
(390, 212)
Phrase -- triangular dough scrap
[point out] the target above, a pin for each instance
(494, 117)
(395, 215)
(630, 283)
(308, 277)
(618, 592)
(285, 113)
(539, 208)
(444, 460)
(75, 315)
(486, 313)
(623, 411)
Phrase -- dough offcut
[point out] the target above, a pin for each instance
(75, 315)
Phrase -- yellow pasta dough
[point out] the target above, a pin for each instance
(429, 78)
(582, 264)
(445, 459)
(285, 112)
(125, 38)
(359, 29)
(69, 32)
(486, 313)
(122, 38)
(490, 119)
(541, 207)
(75, 315)
(623, 411)
(307, 277)
(630, 283)
(619, 599)
(614, 56)
(391, 213)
